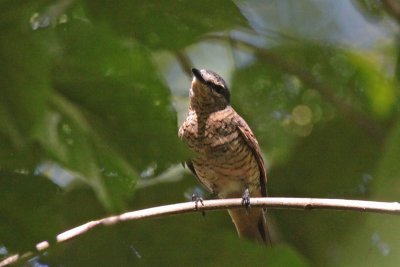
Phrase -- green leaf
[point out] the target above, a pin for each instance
(120, 94)
(28, 210)
(336, 161)
(378, 237)
(344, 75)
(25, 89)
(388, 172)
(111, 117)
(371, 9)
(166, 24)
(25, 85)
(380, 91)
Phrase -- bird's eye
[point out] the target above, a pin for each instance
(217, 88)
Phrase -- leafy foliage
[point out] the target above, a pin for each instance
(86, 116)
(176, 25)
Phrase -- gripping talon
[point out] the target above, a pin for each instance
(246, 198)
(196, 200)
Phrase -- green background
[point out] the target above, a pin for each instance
(92, 94)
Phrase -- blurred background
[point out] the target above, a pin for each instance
(92, 94)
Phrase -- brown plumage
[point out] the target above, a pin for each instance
(227, 155)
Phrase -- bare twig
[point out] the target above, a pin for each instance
(185, 62)
(189, 207)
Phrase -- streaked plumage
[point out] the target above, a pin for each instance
(227, 155)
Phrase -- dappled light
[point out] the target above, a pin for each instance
(93, 92)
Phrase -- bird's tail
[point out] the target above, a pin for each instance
(251, 224)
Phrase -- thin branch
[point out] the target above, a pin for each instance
(185, 62)
(220, 204)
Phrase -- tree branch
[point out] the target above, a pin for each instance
(219, 204)
(184, 61)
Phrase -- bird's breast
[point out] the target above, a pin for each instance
(223, 162)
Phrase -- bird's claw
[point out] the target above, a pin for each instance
(196, 200)
(246, 198)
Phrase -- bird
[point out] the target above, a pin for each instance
(226, 157)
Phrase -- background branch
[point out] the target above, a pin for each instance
(184, 62)
(393, 8)
(370, 126)
(219, 204)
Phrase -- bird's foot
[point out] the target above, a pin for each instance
(196, 198)
(246, 198)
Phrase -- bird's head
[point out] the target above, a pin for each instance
(209, 91)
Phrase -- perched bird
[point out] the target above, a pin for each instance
(227, 158)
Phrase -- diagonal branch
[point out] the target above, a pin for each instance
(184, 61)
(219, 204)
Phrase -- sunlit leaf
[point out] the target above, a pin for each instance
(380, 91)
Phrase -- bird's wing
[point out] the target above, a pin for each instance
(251, 141)
(189, 164)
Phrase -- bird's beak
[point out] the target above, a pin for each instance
(198, 75)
